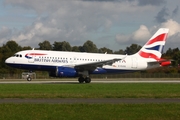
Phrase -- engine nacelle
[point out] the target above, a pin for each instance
(63, 72)
(166, 63)
(99, 71)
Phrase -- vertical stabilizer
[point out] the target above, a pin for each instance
(154, 47)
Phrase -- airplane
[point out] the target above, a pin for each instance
(81, 64)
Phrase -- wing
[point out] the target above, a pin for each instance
(93, 65)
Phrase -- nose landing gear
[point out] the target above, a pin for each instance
(29, 75)
(29, 78)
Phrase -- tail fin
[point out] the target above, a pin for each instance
(154, 47)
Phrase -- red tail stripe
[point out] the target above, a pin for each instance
(148, 55)
(158, 38)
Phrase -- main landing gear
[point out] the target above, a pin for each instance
(86, 79)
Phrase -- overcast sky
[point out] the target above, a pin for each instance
(115, 24)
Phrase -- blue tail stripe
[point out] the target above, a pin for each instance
(154, 48)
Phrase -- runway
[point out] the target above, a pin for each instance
(91, 101)
(74, 81)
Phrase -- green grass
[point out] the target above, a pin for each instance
(114, 90)
(89, 111)
(21, 111)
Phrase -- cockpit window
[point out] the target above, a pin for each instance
(17, 55)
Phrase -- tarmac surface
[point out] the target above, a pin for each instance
(90, 100)
(74, 81)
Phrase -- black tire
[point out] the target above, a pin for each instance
(29, 78)
(81, 79)
(87, 80)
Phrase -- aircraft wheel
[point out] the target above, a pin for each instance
(29, 78)
(87, 79)
(81, 79)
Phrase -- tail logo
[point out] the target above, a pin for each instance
(154, 47)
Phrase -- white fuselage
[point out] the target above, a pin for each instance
(44, 60)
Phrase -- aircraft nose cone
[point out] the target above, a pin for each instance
(8, 60)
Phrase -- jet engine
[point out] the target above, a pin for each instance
(63, 72)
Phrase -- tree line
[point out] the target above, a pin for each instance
(11, 47)
(88, 46)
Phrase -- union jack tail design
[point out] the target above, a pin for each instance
(154, 47)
